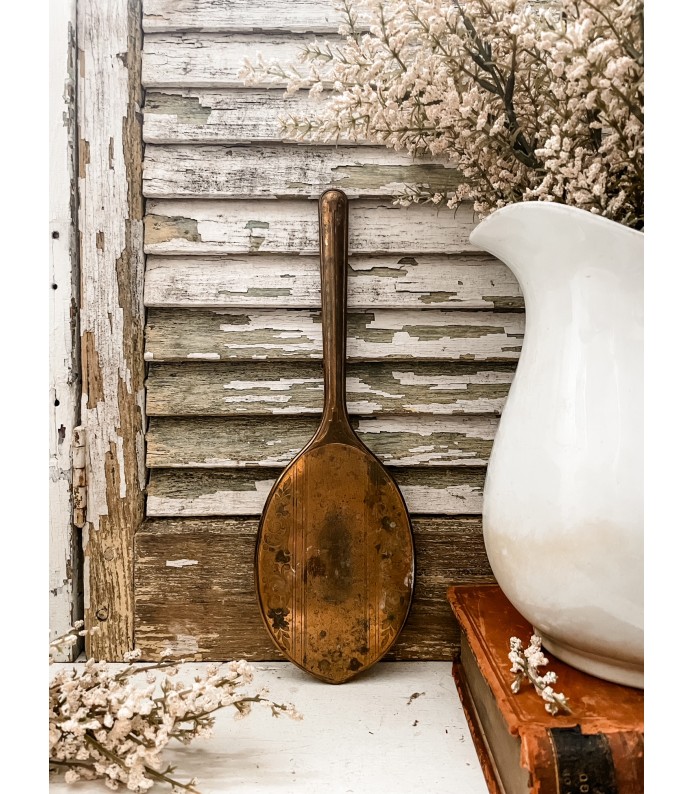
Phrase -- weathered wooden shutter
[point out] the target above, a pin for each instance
(233, 340)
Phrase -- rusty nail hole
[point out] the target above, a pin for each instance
(102, 613)
(55, 235)
(109, 554)
(56, 403)
(54, 286)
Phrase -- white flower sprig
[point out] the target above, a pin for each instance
(529, 99)
(525, 663)
(112, 725)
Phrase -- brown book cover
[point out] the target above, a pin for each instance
(598, 749)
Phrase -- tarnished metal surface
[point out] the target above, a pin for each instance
(334, 557)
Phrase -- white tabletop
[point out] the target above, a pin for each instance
(398, 728)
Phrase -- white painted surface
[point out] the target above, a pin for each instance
(317, 16)
(366, 737)
(563, 499)
(64, 376)
(282, 226)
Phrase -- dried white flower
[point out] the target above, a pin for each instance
(530, 101)
(524, 664)
(113, 725)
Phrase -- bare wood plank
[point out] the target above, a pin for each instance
(213, 60)
(286, 170)
(202, 227)
(225, 16)
(223, 116)
(195, 590)
(64, 391)
(242, 492)
(474, 281)
(228, 334)
(112, 312)
(233, 442)
(374, 388)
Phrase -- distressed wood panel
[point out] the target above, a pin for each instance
(211, 60)
(195, 589)
(111, 313)
(64, 390)
(236, 115)
(474, 281)
(232, 16)
(286, 170)
(210, 442)
(437, 335)
(242, 492)
(223, 389)
(202, 227)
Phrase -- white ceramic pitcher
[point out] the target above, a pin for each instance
(563, 498)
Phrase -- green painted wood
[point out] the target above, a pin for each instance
(195, 388)
(283, 334)
(431, 490)
(206, 442)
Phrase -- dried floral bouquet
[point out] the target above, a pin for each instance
(110, 724)
(530, 99)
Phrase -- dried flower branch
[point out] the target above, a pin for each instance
(530, 99)
(525, 663)
(114, 724)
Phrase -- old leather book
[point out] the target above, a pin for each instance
(598, 749)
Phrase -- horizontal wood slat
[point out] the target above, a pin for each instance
(378, 388)
(234, 115)
(474, 281)
(196, 595)
(317, 16)
(435, 335)
(230, 442)
(286, 170)
(242, 492)
(212, 60)
(376, 226)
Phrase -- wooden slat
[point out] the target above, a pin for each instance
(64, 373)
(242, 492)
(474, 281)
(230, 442)
(376, 226)
(234, 115)
(286, 170)
(174, 335)
(278, 387)
(212, 60)
(195, 590)
(222, 16)
(111, 313)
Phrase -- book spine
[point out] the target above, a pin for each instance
(567, 761)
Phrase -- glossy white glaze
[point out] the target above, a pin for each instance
(563, 498)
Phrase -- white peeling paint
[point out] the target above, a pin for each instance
(282, 384)
(375, 226)
(180, 563)
(259, 398)
(357, 386)
(107, 232)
